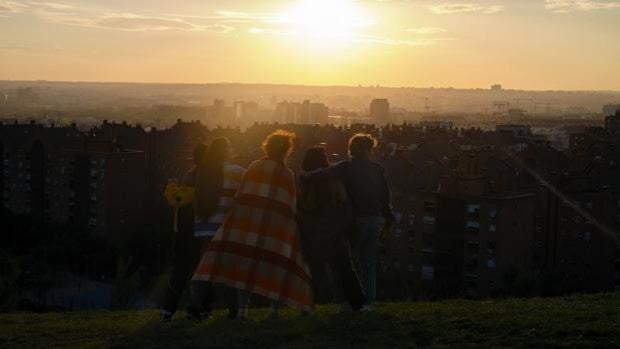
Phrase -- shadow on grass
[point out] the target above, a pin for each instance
(321, 330)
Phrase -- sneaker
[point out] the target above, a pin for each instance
(194, 314)
(242, 313)
(274, 315)
(366, 309)
(165, 316)
(345, 308)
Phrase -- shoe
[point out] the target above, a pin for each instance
(366, 309)
(194, 314)
(242, 313)
(345, 308)
(274, 315)
(165, 316)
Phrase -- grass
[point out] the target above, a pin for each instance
(573, 321)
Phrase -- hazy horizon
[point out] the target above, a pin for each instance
(504, 88)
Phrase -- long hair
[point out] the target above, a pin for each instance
(210, 178)
(314, 194)
(315, 159)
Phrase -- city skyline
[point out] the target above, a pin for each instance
(538, 45)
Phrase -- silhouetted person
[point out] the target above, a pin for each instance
(186, 247)
(369, 193)
(325, 219)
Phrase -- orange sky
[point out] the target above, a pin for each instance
(530, 44)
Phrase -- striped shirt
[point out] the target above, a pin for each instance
(231, 182)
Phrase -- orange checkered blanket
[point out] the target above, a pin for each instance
(257, 248)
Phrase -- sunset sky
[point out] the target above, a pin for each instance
(527, 44)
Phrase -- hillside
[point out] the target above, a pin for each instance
(574, 321)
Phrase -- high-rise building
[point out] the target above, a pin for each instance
(246, 113)
(319, 113)
(301, 113)
(380, 111)
(610, 109)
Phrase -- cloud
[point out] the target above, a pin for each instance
(565, 6)
(260, 31)
(449, 8)
(400, 42)
(426, 30)
(52, 5)
(134, 22)
(81, 14)
(246, 17)
(10, 7)
(60, 13)
(15, 48)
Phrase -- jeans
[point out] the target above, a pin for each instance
(203, 297)
(366, 242)
(185, 256)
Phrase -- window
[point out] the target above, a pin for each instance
(398, 217)
(428, 220)
(471, 264)
(492, 228)
(472, 224)
(428, 240)
(427, 258)
(410, 250)
(473, 211)
(427, 272)
(429, 207)
(411, 219)
(472, 228)
(473, 247)
(491, 263)
(491, 247)
(492, 212)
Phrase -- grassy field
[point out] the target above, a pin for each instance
(574, 321)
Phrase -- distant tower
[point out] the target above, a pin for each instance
(380, 111)
(496, 88)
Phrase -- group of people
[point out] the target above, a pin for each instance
(265, 231)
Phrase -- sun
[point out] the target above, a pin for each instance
(326, 21)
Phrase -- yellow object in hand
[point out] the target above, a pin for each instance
(178, 196)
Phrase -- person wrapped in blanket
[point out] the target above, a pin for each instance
(257, 249)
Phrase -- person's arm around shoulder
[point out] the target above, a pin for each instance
(338, 170)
